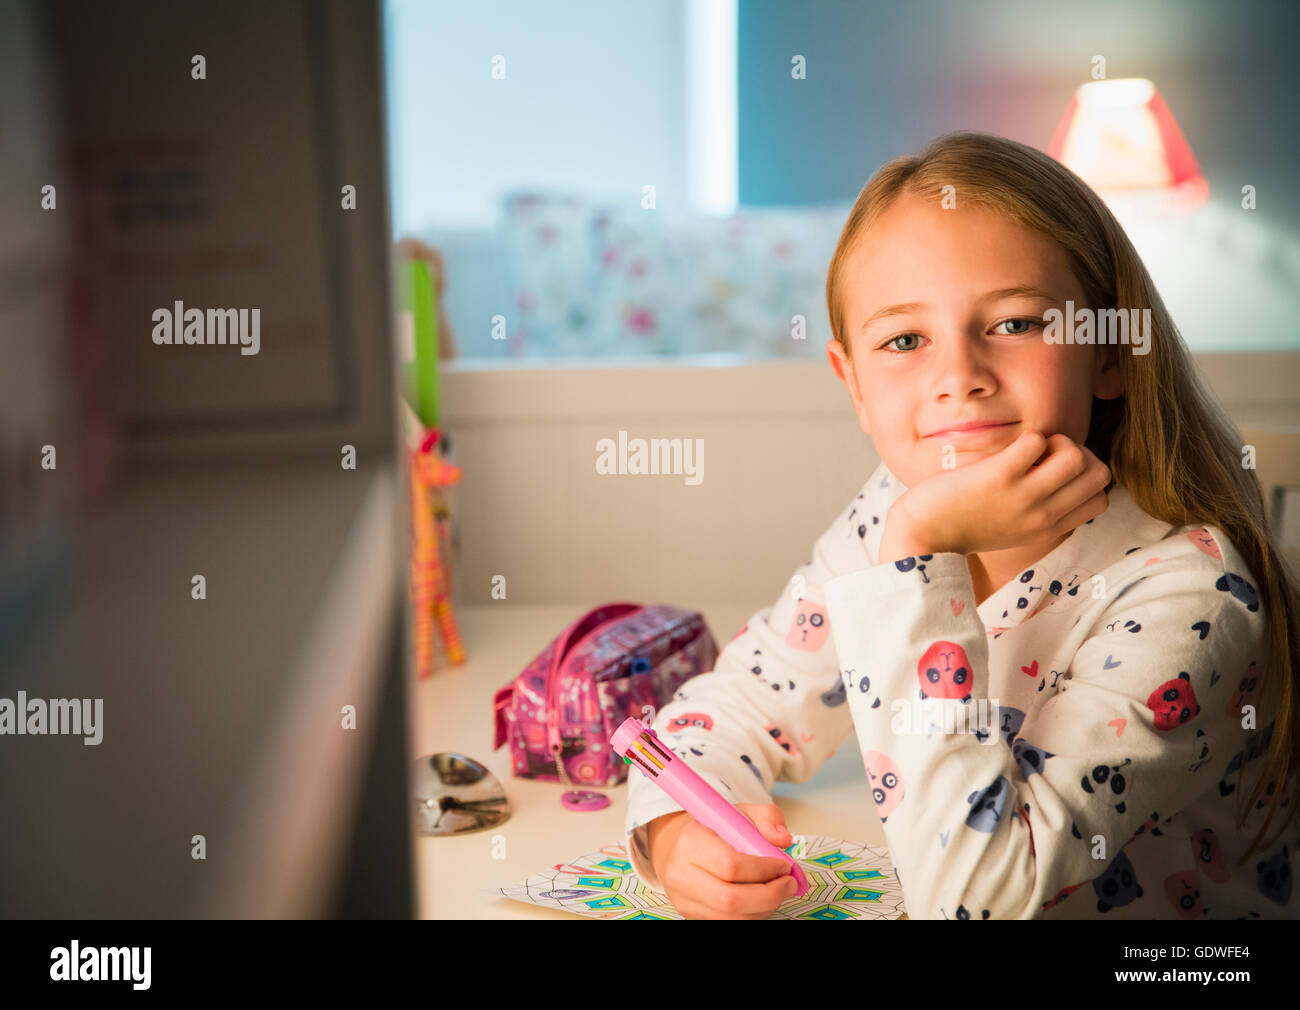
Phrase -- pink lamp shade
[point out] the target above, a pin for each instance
(1119, 136)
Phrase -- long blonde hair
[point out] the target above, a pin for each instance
(1166, 439)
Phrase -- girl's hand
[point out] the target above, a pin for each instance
(1034, 489)
(706, 878)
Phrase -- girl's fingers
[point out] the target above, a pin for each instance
(1024, 452)
(718, 859)
(756, 901)
(1090, 509)
(715, 856)
(1078, 491)
(1062, 467)
(713, 898)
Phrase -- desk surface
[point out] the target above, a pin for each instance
(452, 711)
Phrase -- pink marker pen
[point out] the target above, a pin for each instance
(639, 745)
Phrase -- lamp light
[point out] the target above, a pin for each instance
(1120, 138)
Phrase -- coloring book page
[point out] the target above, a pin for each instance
(846, 880)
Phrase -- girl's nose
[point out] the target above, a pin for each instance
(962, 367)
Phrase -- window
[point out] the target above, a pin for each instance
(616, 180)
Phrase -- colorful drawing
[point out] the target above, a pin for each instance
(847, 881)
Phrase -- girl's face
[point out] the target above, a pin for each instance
(938, 336)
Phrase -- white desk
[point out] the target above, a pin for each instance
(452, 711)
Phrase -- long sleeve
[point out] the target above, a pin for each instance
(1011, 815)
(773, 708)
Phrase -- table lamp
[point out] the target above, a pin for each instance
(1120, 138)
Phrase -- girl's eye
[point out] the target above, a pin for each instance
(901, 336)
(1029, 322)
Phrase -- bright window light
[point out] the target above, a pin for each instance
(711, 105)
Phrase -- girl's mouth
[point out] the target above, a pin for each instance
(972, 432)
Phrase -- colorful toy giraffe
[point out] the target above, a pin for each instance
(430, 577)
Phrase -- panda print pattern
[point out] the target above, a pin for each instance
(1126, 730)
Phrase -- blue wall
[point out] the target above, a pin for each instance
(885, 78)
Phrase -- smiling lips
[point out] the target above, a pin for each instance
(971, 428)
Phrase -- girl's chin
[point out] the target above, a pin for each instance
(960, 458)
(964, 457)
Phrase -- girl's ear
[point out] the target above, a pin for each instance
(1107, 381)
(843, 368)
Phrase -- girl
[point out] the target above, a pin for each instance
(1055, 614)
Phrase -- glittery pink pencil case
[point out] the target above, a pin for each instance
(559, 713)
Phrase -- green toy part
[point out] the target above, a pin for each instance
(421, 377)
